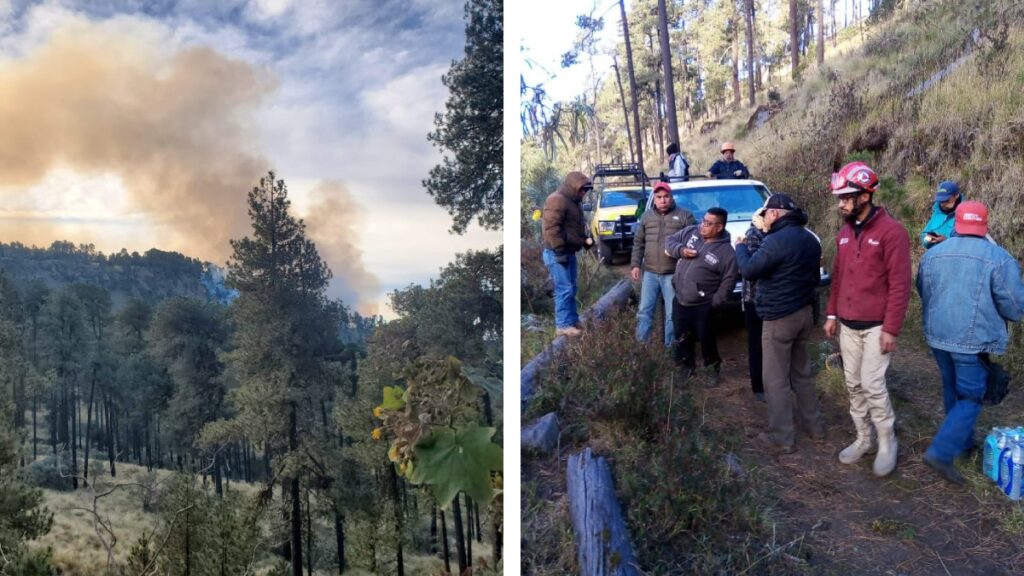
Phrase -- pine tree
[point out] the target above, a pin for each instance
(468, 182)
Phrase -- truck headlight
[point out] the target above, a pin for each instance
(606, 227)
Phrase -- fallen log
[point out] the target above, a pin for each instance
(600, 310)
(599, 530)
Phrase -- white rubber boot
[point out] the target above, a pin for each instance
(885, 460)
(863, 444)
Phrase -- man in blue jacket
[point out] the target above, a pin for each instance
(786, 270)
(940, 225)
(970, 288)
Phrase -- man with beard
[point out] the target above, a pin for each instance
(652, 263)
(785, 267)
(565, 234)
(869, 296)
(940, 225)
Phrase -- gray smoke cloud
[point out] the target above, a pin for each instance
(178, 129)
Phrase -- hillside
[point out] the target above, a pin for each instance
(152, 277)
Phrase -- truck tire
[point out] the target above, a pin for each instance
(604, 251)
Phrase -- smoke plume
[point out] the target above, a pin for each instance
(176, 128)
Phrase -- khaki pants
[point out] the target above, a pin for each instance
(786, 364)
(864, 366)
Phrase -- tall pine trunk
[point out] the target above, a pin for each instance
(296, 519)
(88, 425)
(460, 541)
(398, 519)
(444, 544)
(794, 41)
(625, 109)
(632, 86)
(666, 68)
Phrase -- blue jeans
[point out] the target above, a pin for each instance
(651, 286)
(963, 387)
(563, 276)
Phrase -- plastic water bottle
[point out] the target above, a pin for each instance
(1013, 483)
(989, 462)
(1005, 457)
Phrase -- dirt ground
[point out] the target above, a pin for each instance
(911, 522)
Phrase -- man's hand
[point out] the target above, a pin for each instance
(635, 273)
(562, 258)
(689, 253)
(737, 173)
(740, 240)
(888, 342)
(830, 328)
(588, 242)
(935, 238)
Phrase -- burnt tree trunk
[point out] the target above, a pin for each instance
(632, 86)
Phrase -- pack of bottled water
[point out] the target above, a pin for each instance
(1003, 459)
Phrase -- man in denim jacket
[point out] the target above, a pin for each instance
(970, 288)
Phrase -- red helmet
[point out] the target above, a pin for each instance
(854, 177)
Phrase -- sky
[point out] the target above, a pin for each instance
(543, 42)
(141, 124)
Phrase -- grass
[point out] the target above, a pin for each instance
(78, 551)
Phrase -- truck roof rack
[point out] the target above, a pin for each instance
(617, 170)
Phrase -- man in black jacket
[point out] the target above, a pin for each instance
(705, 274)
(786, 270)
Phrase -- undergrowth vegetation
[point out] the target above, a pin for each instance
(688, 510)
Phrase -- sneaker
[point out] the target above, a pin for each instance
(760, 396)
(947, 471)
(765, 443)
(569, 331)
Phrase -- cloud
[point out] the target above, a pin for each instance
(176, 126)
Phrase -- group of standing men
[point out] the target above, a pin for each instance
(969, 287)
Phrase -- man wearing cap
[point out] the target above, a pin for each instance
(785, 267)
(728, 167)
(678, 167)
(940, 225)
(653, 263)
(564, 234)
(969, 289)
(869, 296)
(705, 274)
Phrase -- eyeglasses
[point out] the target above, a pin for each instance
(709, 223)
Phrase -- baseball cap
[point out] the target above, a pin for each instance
(780, 202)
(971, 219)
(662, 186)
(946, 190)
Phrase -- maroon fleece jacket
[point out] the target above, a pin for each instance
(871, 273)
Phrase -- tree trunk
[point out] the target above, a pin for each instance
(339, 536)
(835, 32)
(433, 527)
(74, 438)
(309, 536)
(88, 425)
(444, 544)
(666, 68)
(821, 32)
(35, 437)
(476, 512)
(794, 42)
(469, 531)
(217, 479)
(625, 110)
(460, 542)
(748, 13)
(632, 86)
(398, 519)
(296, 519)
(737, 95)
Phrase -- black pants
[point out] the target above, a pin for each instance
(754, 357)
(692, 324)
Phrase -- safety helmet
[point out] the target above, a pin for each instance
(727, 146)
(855, 177)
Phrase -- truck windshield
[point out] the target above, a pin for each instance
(740, 201)
(613, 198)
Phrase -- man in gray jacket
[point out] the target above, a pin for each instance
(653, 263)
(705, 274)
